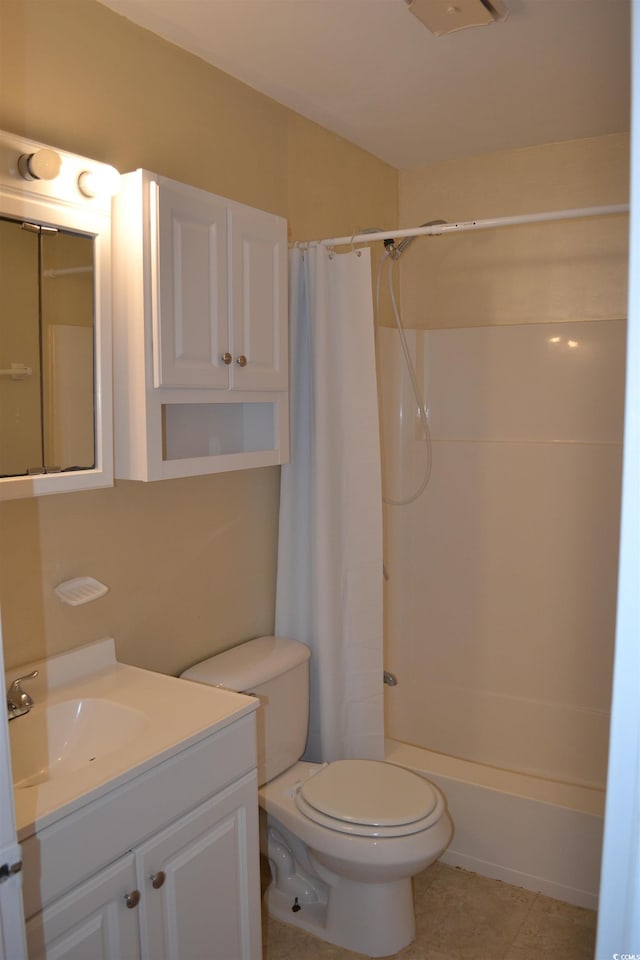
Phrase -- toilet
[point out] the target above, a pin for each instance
(343, 839)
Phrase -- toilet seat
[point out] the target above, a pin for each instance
(369, 798)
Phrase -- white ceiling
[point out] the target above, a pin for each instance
(369, 71)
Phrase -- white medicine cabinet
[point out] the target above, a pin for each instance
(55, 325)
(200, 332)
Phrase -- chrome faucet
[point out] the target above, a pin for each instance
(18, 700)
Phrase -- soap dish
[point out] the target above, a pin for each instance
(80, 590)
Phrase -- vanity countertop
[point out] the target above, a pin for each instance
(157, 716)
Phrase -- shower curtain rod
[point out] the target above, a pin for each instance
(465, 225)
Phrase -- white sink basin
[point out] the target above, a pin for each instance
(97, 724)
(61, 738)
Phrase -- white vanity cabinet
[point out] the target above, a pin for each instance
(200, 332)
(144, 874)
(91, 922)
(194, 882)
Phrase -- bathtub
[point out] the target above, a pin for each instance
(542, 835)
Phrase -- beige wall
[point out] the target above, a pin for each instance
(574, 270)
(190, 563)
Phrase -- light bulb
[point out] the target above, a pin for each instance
(104, 181)
(42, 165)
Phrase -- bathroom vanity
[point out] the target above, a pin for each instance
(136, 806)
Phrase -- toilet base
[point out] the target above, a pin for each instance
(375, 919)
(378, 924)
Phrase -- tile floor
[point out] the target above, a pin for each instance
(463, 916)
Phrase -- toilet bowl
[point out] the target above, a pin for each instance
(343, 839)
(352, 884)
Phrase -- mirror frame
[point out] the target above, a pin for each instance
(60, 203)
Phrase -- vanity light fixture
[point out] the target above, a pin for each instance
(104, 182)
(41, 165)
(46, 164)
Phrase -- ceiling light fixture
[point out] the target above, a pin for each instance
(447, 16)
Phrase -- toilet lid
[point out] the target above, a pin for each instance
(368, 794)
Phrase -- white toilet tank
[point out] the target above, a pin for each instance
(275, 669)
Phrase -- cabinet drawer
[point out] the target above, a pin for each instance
(78, 845)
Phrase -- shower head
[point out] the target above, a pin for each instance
(395, 250)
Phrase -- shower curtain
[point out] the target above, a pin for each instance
(329, 583)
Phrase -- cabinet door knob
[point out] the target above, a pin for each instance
(132, 899)
(157, 879)
(227, 358)
(242, 360)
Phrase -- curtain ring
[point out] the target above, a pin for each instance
(358, 253)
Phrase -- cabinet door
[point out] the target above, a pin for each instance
(206, 899)
(258, 300)
(190, 286)
(92, 922)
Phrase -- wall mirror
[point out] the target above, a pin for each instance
(55, 332)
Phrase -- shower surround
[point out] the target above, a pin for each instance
(500, 603)
(501, 598)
